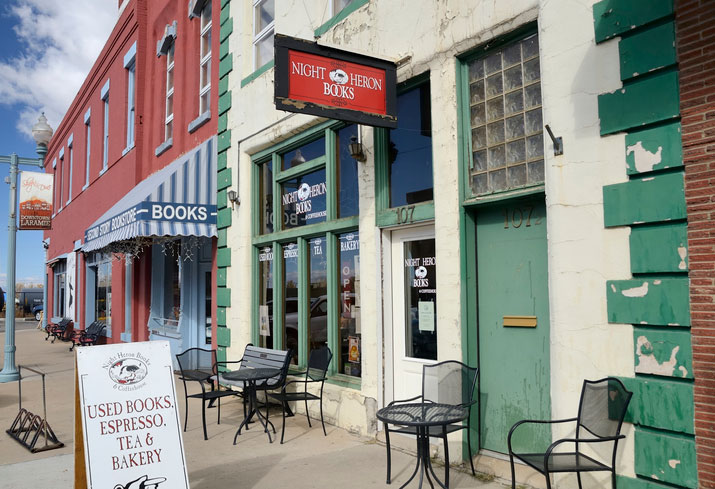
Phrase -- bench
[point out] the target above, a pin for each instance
(59, 330)
(257, 357)
(89, 336)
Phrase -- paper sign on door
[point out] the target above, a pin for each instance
(426, 315)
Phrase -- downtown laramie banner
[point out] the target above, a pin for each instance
(130, 420)
(35, 200)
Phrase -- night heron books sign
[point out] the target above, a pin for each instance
(329, 82)
(130, 420)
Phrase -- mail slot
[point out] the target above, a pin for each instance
(520, 321)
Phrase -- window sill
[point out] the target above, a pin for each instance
(126, 337)
(163, 147)
(103, 171)
(85, 187)
(199, 121)
(356, 4)
(257, 73)
(127, 149)
(343, 380)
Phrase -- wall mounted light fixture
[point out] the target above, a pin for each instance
(233, 198)
(356, 150)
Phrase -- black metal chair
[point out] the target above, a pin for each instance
(315, 373)
(199, 365)
(601, 411)
(448, 382)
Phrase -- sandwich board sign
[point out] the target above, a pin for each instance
(130, 431)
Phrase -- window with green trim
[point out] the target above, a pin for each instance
(505, 119)
(404, 161)
(307, 263)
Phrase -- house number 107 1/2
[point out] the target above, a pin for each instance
(520, 216)
(405, 214)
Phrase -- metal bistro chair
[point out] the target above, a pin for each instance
(199, 365)
(316, 372)
(448, 382)
(601, 411)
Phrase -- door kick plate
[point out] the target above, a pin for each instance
(520, 321)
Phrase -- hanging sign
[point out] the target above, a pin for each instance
(130, 420)
(71, 286)
(35, 200)
(329, 82)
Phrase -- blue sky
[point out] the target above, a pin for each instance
(42, 66)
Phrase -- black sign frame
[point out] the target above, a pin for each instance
(283, 44)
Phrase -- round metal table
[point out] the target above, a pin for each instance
(422, 415)
(250, 376)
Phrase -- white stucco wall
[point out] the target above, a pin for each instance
(582, 254)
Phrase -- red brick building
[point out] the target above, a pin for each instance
(696, 42)
(134, 159)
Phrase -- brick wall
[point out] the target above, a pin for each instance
(695, 20)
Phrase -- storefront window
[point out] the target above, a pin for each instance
(304, 199)
(409, 151)
(420, 299)
(265, 297)
(506, 121)
(349, 304)
(103, 293)
(290, 299)
(265, 178)
(318, 294)
(60, 277)
(172, 284)
(207, 308)
(318, 200)
(307, 152)
(347, 167)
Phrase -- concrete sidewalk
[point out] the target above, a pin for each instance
(306, 460)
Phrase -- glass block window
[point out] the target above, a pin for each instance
(505, 119)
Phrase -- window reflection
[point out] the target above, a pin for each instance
(307, 152)
(348, 204)
(349, 305)
(318, 294)
(410, 149)
(290, 299)
(303, 200)
(265, 297)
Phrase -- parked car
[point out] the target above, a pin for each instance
(37, 311)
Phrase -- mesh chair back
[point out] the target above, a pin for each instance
(196, 359)
(602, 408)
(318, 363)
(449, 382)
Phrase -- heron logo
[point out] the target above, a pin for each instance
(303, 192)
(128, 371)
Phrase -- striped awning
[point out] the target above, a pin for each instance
(178, 200)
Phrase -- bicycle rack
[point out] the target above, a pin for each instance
(29, 426)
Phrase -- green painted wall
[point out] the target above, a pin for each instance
(664, 352)
(652, 202)
(659, 248)
(652, 149)
(653, 301)
(666, 457)
(645, 200)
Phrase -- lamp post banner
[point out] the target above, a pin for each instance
(71, 286)
(130, 419)
(35, 200)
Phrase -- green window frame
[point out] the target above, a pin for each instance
(387, 216)
(339, 16)
(330, 229)
(464, 118)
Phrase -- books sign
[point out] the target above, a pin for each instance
(130, 419)
(35, 200)
(329, 82)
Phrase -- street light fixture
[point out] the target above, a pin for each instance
(42, 133)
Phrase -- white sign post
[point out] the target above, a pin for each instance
(130, 419)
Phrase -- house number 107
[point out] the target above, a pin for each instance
(405, 214)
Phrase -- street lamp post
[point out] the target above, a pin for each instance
(41, 132)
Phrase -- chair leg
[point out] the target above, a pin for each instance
(469, 446)
(548, 479)
(283, 428)
(203, 417)
(186, 407)
(511, 462)
(218, 421)
(578, 477)
(307, 413)
(321, 416)
(446, 460)
(389, 458)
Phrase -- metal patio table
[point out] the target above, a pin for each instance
(250, 376)
(423, 415)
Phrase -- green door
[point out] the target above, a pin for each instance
(512, 295)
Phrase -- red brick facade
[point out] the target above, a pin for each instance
(696, 48)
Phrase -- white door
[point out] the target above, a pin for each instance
(204, 306)
(414, 308)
